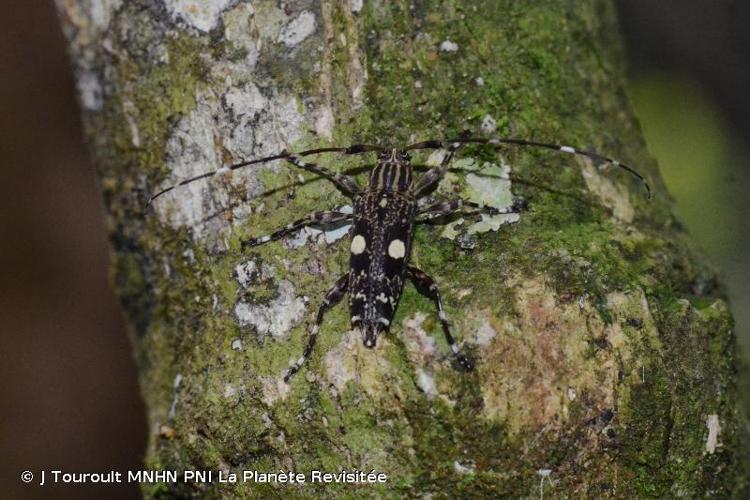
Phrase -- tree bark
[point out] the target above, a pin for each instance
(604, 346)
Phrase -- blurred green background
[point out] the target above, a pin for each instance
(689, 82)
(703, 168)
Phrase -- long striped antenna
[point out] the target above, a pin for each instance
(351, 150)
(593, 155)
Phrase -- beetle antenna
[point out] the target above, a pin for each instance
(593, 155)
(350, 150)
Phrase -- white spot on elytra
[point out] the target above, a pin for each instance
(200, 14)
(397, 249)
(358, 244)
(448, 46)
(383, 202)
(300, 28)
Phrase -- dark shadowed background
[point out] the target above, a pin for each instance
(69, 396)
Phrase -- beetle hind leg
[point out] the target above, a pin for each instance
(427, 286)
(333, 297)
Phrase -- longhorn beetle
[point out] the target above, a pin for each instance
(385, 213)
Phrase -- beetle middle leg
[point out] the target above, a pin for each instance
(333, 297)
(315, 218)
(427, 286)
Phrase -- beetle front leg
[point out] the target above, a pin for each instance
(427, 286)
(315, 218)
(333, 297)
(451, 207)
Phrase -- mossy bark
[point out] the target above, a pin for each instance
(604, 346)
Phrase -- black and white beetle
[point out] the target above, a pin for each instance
(383, 221)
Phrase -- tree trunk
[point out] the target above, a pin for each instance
(604, 346)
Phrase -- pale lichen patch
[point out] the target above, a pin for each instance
(485, 333)
(613, 196)
(274, 389)
(488, 125)
(102, 12)
(190, 151)
(90, 90)
(488, 185)
(714, 429)
(448, 46)
(275, 318)
(298, 29)
(351, 361)
(242, 33)
(202, 15)
(420, 345)
(426, 383)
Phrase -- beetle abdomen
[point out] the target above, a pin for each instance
(380, 246)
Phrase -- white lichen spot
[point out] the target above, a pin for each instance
(202, 15)
(448, 46)
(490, 186)
(246, 273)
(614, 196)
(462, 469)
(340, 362)
(543, 474)
(426, 383)
(479, 81)
(714, 429)
(324, 122)
(489, 124)
(190, 151)
(229, 391)
(101, 12)
(571, 394)
(274, 389)
(484, 334)
(298, 29)
(175, 386)
(275, 318)
(357, 5)
(236, 345)
(245, 101)
(420, 345)
(90, 91)
(452, 229)
(241, 32)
